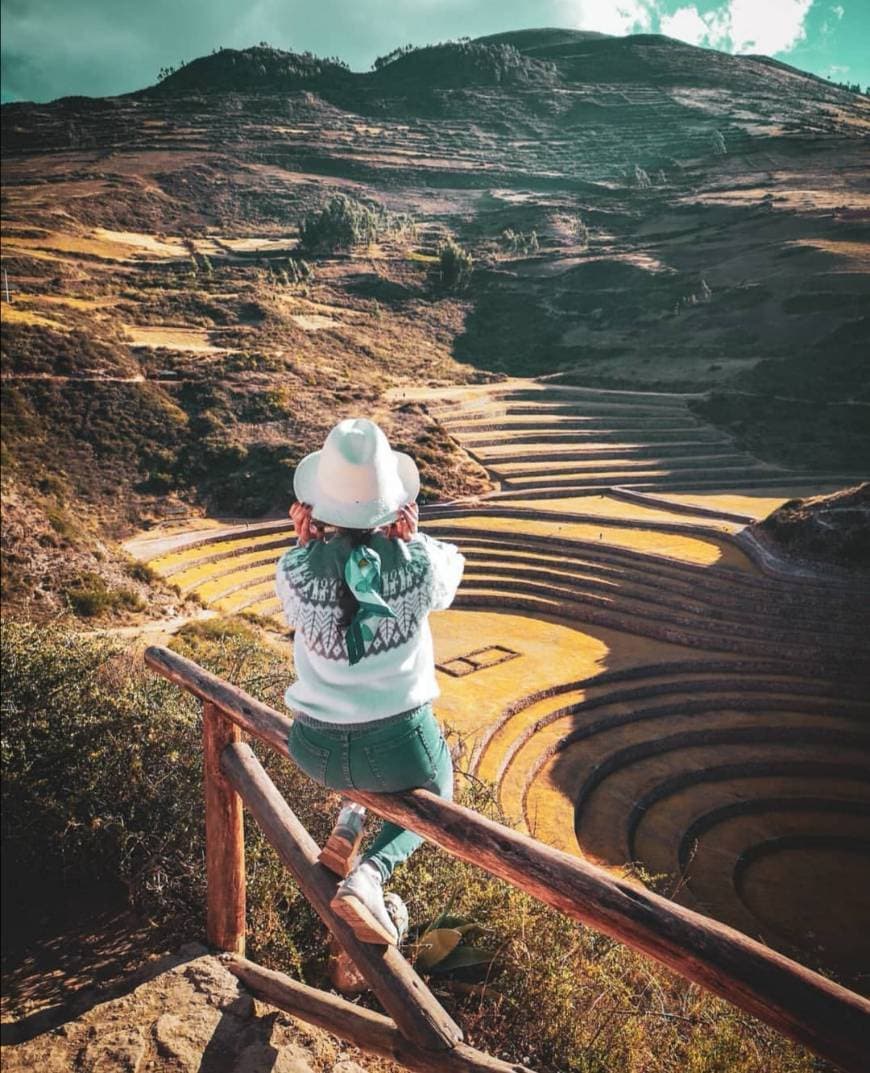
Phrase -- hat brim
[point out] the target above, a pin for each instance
(351, 515)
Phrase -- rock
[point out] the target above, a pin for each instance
(117, 1052)
(185, 1037)
(347, 1065)
(190, 1016)
(260, 1057)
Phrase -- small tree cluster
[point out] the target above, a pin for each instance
(345, 222)
(520, 241)
(396, 54)
(455, 263)
(699, 297)
(294, 272)
(579, 230)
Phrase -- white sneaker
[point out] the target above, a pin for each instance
(398, 913)
(340, 851)
(359, 901)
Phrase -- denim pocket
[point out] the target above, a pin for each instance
(307, 755)
(406, 761)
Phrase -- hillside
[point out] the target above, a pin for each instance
(642, 213)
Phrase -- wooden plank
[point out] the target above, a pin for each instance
(823, 1016)
(370, 1031)
(251, 715)
(224, 838)
(417, 1013)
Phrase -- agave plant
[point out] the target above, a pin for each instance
(443, 944)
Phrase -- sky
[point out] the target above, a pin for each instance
(55, 48)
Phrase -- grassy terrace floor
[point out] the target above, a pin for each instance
(620, 663)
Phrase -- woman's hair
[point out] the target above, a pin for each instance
(346, 600)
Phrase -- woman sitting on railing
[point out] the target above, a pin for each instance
(358, 588)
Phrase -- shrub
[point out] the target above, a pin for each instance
(61, 523)
(455, 264)
(579, 230)
(89, 596)
(343, 223)
(142, 572)
(520, 241)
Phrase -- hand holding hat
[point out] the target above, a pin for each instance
(304, 524)
(405, 526)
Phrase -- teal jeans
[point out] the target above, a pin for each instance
(401, 752)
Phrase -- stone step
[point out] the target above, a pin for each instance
(686, 483)
(552, 422)
(447, 415)
(671, 475)
(615, 461)
(629, 435)
(680, 448)
(566, 393)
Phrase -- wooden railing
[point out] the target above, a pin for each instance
(820, 1014)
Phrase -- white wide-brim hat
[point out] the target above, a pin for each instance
(356, 480)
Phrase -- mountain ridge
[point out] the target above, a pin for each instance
(264, 67)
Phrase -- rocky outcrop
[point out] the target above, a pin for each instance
(832, 529)
(191, 1017)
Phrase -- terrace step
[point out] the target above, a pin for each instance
(668, 570)
(583, 452)
(551, 422)
(526, 733)
(630, 435)
(587, 610)
(637, 597)
(718, 483)
(582, 464)
(629, 477)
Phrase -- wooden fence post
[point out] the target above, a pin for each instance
(224, 838)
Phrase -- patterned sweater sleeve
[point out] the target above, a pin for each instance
(287, 592)
(446, 564)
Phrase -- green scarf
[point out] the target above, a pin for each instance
(362, 572)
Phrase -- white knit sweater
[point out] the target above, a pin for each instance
(397, 672)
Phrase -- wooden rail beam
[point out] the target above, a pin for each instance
(416, 1011)
(224, 838)
(804, 1005)
(825, 1017)
(364, 1028)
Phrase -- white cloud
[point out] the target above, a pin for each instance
(839, 11)
(742, 25)
(686, 24)
(610, 16)
(774, 26)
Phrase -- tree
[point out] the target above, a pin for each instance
(341, 224)
(456, 265)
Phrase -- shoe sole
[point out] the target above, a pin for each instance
(362, 921)
(339, 853)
